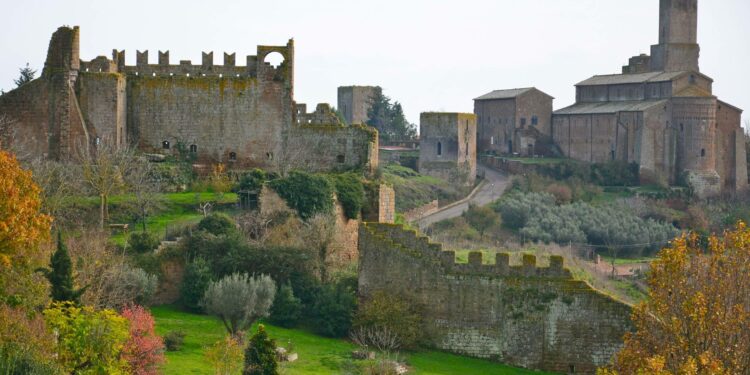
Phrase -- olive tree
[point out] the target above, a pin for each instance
(239, 300)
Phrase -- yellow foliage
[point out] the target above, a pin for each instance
(697, 317)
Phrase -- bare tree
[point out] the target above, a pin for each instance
(254, 225)
(145, 184)
(319, 233)
(57, 181)
(104, 171)
(380, 338)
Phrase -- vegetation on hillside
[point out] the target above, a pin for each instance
(413, 189)
(388, 118)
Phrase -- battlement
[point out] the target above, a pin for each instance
(256, 66)
(323, 115)
(397, 238)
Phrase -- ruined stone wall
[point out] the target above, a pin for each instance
(422, 211)
(332, 147)
(26, 110)
(386, 204)
(524, 315)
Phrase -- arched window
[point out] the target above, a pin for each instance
(165, 145)
(193, 148)
(440, 149)
(232, 156)
(340, 159)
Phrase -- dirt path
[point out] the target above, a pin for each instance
(493, 187)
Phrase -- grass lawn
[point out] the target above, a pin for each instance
(317, 355)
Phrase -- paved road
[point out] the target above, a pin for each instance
(493, 188)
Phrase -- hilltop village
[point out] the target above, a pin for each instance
(168, 179)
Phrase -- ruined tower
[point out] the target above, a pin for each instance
(678, 48)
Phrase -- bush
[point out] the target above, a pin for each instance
(239, 300)
(350, 192)
(173, 340)
(217, 224)
(194, 284)
(562, 193)
(333, 310)
(286, 309)
(481, 218)
(386, 311)
(127, 285)
(144, 351)
(253, 180)
(226, 356)
(260, 355)
(26, 346)
(306, 193)
(143, 242)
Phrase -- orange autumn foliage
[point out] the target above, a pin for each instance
(22, 226)
(697, 317)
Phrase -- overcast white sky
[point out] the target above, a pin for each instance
(428, 54)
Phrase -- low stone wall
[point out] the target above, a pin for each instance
(525, 315)
(507, 165)
(422, 211)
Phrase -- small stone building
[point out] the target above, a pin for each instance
(448, 147)
(355, 101)
(511, 121)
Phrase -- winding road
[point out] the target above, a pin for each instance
(492, 188)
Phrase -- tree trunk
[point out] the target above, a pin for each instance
(102, 203)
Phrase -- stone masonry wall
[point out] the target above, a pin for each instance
(524, 315)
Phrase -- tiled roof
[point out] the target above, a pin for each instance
(508, 94)
(609, 107)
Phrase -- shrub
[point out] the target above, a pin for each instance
(143, 242)
(481, 218)
(517, 209)
(260, 355)
(286, 309)
(350, 192)
(26, 346)
(127, 285)
(144, 351)
(239, 300)
(253, 180)
(562, 193)
(173, 340)
(306, 193)
(217, 224)
(194, 284)
(386, 311)
(226, 356)
(89, 341)
(333, 310)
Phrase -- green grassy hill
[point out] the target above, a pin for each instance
(317, 355)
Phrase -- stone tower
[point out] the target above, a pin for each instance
(355, 101)
(678, 48)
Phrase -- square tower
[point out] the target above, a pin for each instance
(678, 48)
(355, 101)
(448, 146)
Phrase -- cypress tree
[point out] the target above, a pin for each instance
(260, 355)
(60, 275)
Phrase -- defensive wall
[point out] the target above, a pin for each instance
(524, 315)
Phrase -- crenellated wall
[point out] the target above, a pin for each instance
(525, 315)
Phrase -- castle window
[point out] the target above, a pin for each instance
(165, 145)
(682, 127)
(492, 140)
(340, 159)
(98, 141)
(193, 148)
(274, 59)
(534, 120)
(523, 121)
(232, 156)
(703, 152)
(439, 148)
(269, 155)
(692, 79)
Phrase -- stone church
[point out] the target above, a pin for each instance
(660, 113)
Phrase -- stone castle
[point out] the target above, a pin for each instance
(240, 115)
(659, 113)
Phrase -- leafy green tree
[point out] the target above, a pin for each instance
(89, 341)
(481, 218)
(307, 193)
(239, 300)
(26, 75)
(287, 309)
(333, 310)
(60, 275)
(350, 192)
(389, 119)
(143, 242)
(217, 224)
(194, 284)
(260, 355)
